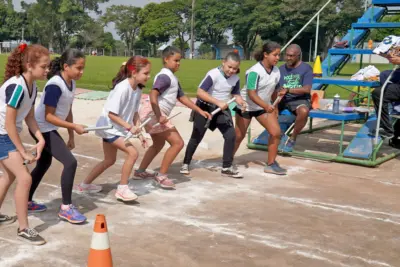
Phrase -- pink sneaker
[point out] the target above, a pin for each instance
(164, 182)
(90, 188)
(144, 175)
(124, 193)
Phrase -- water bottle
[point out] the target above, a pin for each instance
(336, 101)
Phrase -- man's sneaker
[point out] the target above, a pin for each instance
(274, 168)
(30, 236)
(382, 133)
(34, 207)
(72, 215)
(394, 142)
(124, 193)
(185, 169)
(144, 174)
(87, 188)
(231, 172)
(282, 143)
(289, 146)
(4, 219)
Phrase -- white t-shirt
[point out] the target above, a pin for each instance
(15, 93)
(123, 101)
(58, 94)
(257, 78)
(220, 87)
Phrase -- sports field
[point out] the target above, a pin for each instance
(101, 70)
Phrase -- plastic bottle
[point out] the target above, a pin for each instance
(336, 102)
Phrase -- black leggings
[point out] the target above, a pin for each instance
(222, 121)
(391, 94)
(55, 147)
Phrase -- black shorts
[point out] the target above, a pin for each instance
(249, 114)
(293, 105)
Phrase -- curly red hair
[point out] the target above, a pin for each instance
(19, 58)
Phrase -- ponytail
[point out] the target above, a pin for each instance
(55, 68)
(21, 56)
(69, 57)
(267, 48)
(135, 63)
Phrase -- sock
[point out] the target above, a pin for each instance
(122, 186)
(84, 185)
(140, 170)
(64, 207)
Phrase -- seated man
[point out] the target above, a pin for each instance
(295, 87)
(391, 94)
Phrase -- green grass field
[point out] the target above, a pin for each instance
(100, 71)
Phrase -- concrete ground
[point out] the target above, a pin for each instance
(320, 214)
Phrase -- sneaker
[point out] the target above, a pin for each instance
(284, 139)
(164, 182)
(185, 169)
(231, 172)
(144, 174)
(382, 133)
(87, 188)
(5, 219)
(124, 193)
(289, 146)
(274, 168)
(72, 215)
(34, 207)
(394, 142)
(30, 236)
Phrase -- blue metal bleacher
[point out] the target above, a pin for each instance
(380, 25)
(386, 2)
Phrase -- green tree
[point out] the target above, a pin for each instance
(213, 18)
(250, 21)
(92, 34)
(126, 20)
(155, 24)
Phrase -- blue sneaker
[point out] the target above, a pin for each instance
(72, 215)
(289, 146)
(34, 207)
(274, 168)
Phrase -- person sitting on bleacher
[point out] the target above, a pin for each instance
(295, 87)
(391, 94)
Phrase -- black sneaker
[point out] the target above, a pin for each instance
(394, 142)
(30, 236)
(4, 219)
(231, 172)
(382, 133)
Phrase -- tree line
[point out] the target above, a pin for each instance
(63, 23)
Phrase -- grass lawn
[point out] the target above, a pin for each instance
(100, 71)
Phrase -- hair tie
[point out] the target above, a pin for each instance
(131, 67)
(22, 47)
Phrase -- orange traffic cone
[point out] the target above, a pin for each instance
(100, 252)
(317, 70)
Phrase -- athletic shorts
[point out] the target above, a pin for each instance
(293, 105)
(111, 140)
(249, 114)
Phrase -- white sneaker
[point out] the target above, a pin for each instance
(125, 194)
(185, 169)
(89, 188)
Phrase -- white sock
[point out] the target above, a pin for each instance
(122, 186)
(64, 207)
(84, 185)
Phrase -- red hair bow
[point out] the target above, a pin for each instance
(131, 67)
(22, 47)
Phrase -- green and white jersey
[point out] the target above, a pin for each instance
(257, 78)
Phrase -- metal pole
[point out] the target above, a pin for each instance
(305, 26)
(316, 38)
(309, 54)
(192, 32)
(378, 123)
(23, 31)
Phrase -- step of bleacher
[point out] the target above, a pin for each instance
(386, 2)
(344, 82)
(347, 51)
(375, 25)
